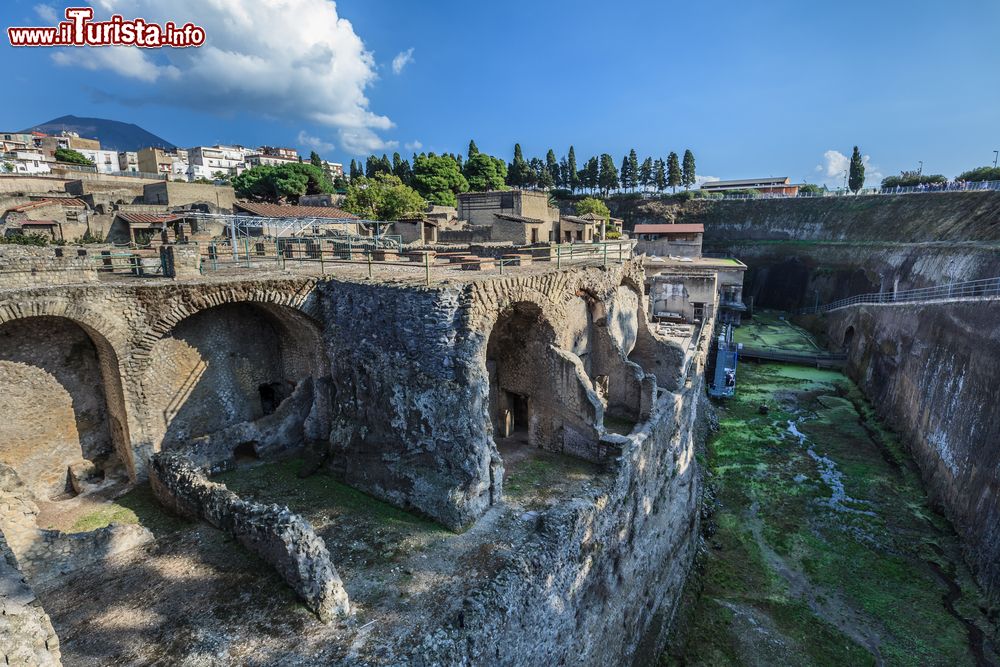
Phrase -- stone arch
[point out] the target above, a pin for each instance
(539, 394)
(231, 369)
(64, 420)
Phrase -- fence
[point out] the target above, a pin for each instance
(958, 186)
(326, 254)
(986, 287)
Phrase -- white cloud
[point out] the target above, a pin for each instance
(835, 164)
(294, 59)
(700, 180)
(402, 59)
(414, 145)
(47, 13)
(314, 143)
(362, 141)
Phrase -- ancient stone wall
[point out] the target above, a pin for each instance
(283, 539)
(53, 404)
(23, 266)
(931, 373)
(26, 633)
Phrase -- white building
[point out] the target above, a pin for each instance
(207, 161)
(25, 162)
(105, 161)
(333, 169)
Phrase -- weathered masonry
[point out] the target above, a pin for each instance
(412, 394)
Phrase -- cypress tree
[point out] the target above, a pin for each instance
(625, 175)
(660, 175)
(607, 179)
(673, 171)
(552, 165)
(633, 169)
(473, 149)
(574, 178)
(688, 170)
(315, 160)
(646, 173)
(856, 176)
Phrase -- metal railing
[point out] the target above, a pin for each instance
(957, 186)
(324, 254)
(972, 289)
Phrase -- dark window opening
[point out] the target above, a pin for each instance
(271, 396)
(245, 451)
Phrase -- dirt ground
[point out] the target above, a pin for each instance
(196, 597)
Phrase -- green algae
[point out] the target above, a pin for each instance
(769, 329)
(794, 573)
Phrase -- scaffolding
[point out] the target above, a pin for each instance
(726, 358)
(246, 227)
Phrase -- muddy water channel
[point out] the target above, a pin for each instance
(820, 546)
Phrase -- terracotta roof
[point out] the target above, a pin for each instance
(281, 211)
(39, 223)
(519, 218)
(67, 202)
(591, 216)
(580, 220)
(148, 218)
(670, 229)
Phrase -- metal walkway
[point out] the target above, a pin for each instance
(972, 289)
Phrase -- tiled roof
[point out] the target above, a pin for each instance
(66, 202)
(591, 216)
(39, 223)
(580, 220)
(670, 229)
(519, 218)
(149, 218)
(281, 211)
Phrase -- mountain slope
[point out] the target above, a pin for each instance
(113, 134)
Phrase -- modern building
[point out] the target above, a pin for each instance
(154, 160)
(25, 162)
(781, 185)
(128, 161)
(50, 143)
(105, 161)
(334, 170)
(669, 240)
(686, 289)
(207, 161)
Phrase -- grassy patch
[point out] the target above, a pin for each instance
(543, 476)
(137, 506)
(780, 512)
(769, 329)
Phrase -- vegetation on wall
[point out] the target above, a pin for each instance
(71, 156)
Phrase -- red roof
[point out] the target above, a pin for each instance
(68, 202)
(149, 218)
(39, 223)
(670, 229)
(281, 211)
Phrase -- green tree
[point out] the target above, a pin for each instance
(980, 174)
(592, 173)
(856, 175)
(401, 169)
(552, 165)
(811, 189)
(384, 197)
(355, 170)
(286, 182)
(473, 149)
(625, 174)
(633, 169)
(607, 179)
(71, 156)
(660, 175)
(572, 179)
(646, 173)
(315, 160)
(518, 172)
(485, 172)
(438, 179)
(911, 178)
(673, 171)
(688, 175)
(593, 205)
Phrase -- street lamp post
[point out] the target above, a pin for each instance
(920, 169)
(995, 155)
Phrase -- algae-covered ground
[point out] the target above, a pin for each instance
(822, 548)
(770, 329)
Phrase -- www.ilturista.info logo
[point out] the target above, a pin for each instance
(80, 30)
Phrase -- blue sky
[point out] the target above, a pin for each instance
(753, 88)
